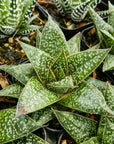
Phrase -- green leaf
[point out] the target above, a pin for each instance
(22, 72)
(84, 63)
(74, 44)
(109, 63)
(111, 15)
(38, 39)
(99, 23)
(93, 140)
(108, 137)
(61, 86)
(11, 129)
(109, 96)
(28, 29)
(97, 83)
(13, 90)
(30, 139)
(86, 98)
(79, 127)
(43, 116)
(97, 46)
(53, 39)
(40, 60)
(35, 97)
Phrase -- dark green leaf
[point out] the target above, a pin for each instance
(86, 98)
(93, 140)
(11, 129)
(53, 39)
(79, 127)
(13, 90)
(84, 63)
(111, 15)
(22, 72)
(35, 97)
(109, 63)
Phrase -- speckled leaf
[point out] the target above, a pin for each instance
(59, 69)
(40, 60)
(61, 86)
(84, 63)
(35, 97)
(22, 72)
(111, 15)
(93, 140)
(13, 90)
(97, 83)
(108, 136)
(108, 40)
(99, 23)
(86, 98)
(30, 139)
(109, 96)
(74, 44)
(11, 129)
(109, 63)
(43, 116)
(38, 39)
(97, 46)
(79, 127)
(53, 39)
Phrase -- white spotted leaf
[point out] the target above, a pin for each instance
(109, 63)
(93, 140)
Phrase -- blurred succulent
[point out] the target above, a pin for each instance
(55, 74)
(105, 32)
(15, 17)
(77, 9)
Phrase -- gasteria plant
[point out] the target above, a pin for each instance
(56, 74)
(105, 32)
(15, 17)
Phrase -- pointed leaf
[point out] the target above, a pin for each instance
(22, 72)
(99, 23)
(35, 97)
(30, 139)
(38, 39)
(61, 86)
(79, 127)
(84, 63)
(11, 129)
(97, 46)
(13, 90)
(40, 60)
(111, 15)
(53, 39)
(93, 140)
(109, 63)
(74, 44)
(86, 98)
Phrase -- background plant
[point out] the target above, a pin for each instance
(15, 17)
(56, 74)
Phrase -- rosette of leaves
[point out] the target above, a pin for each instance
(105, 32)
(55, 76)
(16, 16)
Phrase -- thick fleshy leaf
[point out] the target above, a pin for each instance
(53, 39)
(79, 127)
(109, 63)
(43, 116)
(93, 140)
(13, 90)
(38, 39)
(40, 60)
(111, 15)
(84, 63)
(30, 139)
(35, 97)
(61, 86)
(22, 72)
(86, 98)
(97, 83)
(11, 129)
(108, 136)
(100, 23)
(59, 69)
(74, 44)
(109, 96)
(97, 46)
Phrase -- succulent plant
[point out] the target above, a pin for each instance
(15, 17)
(54, 77)
(105, 32)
